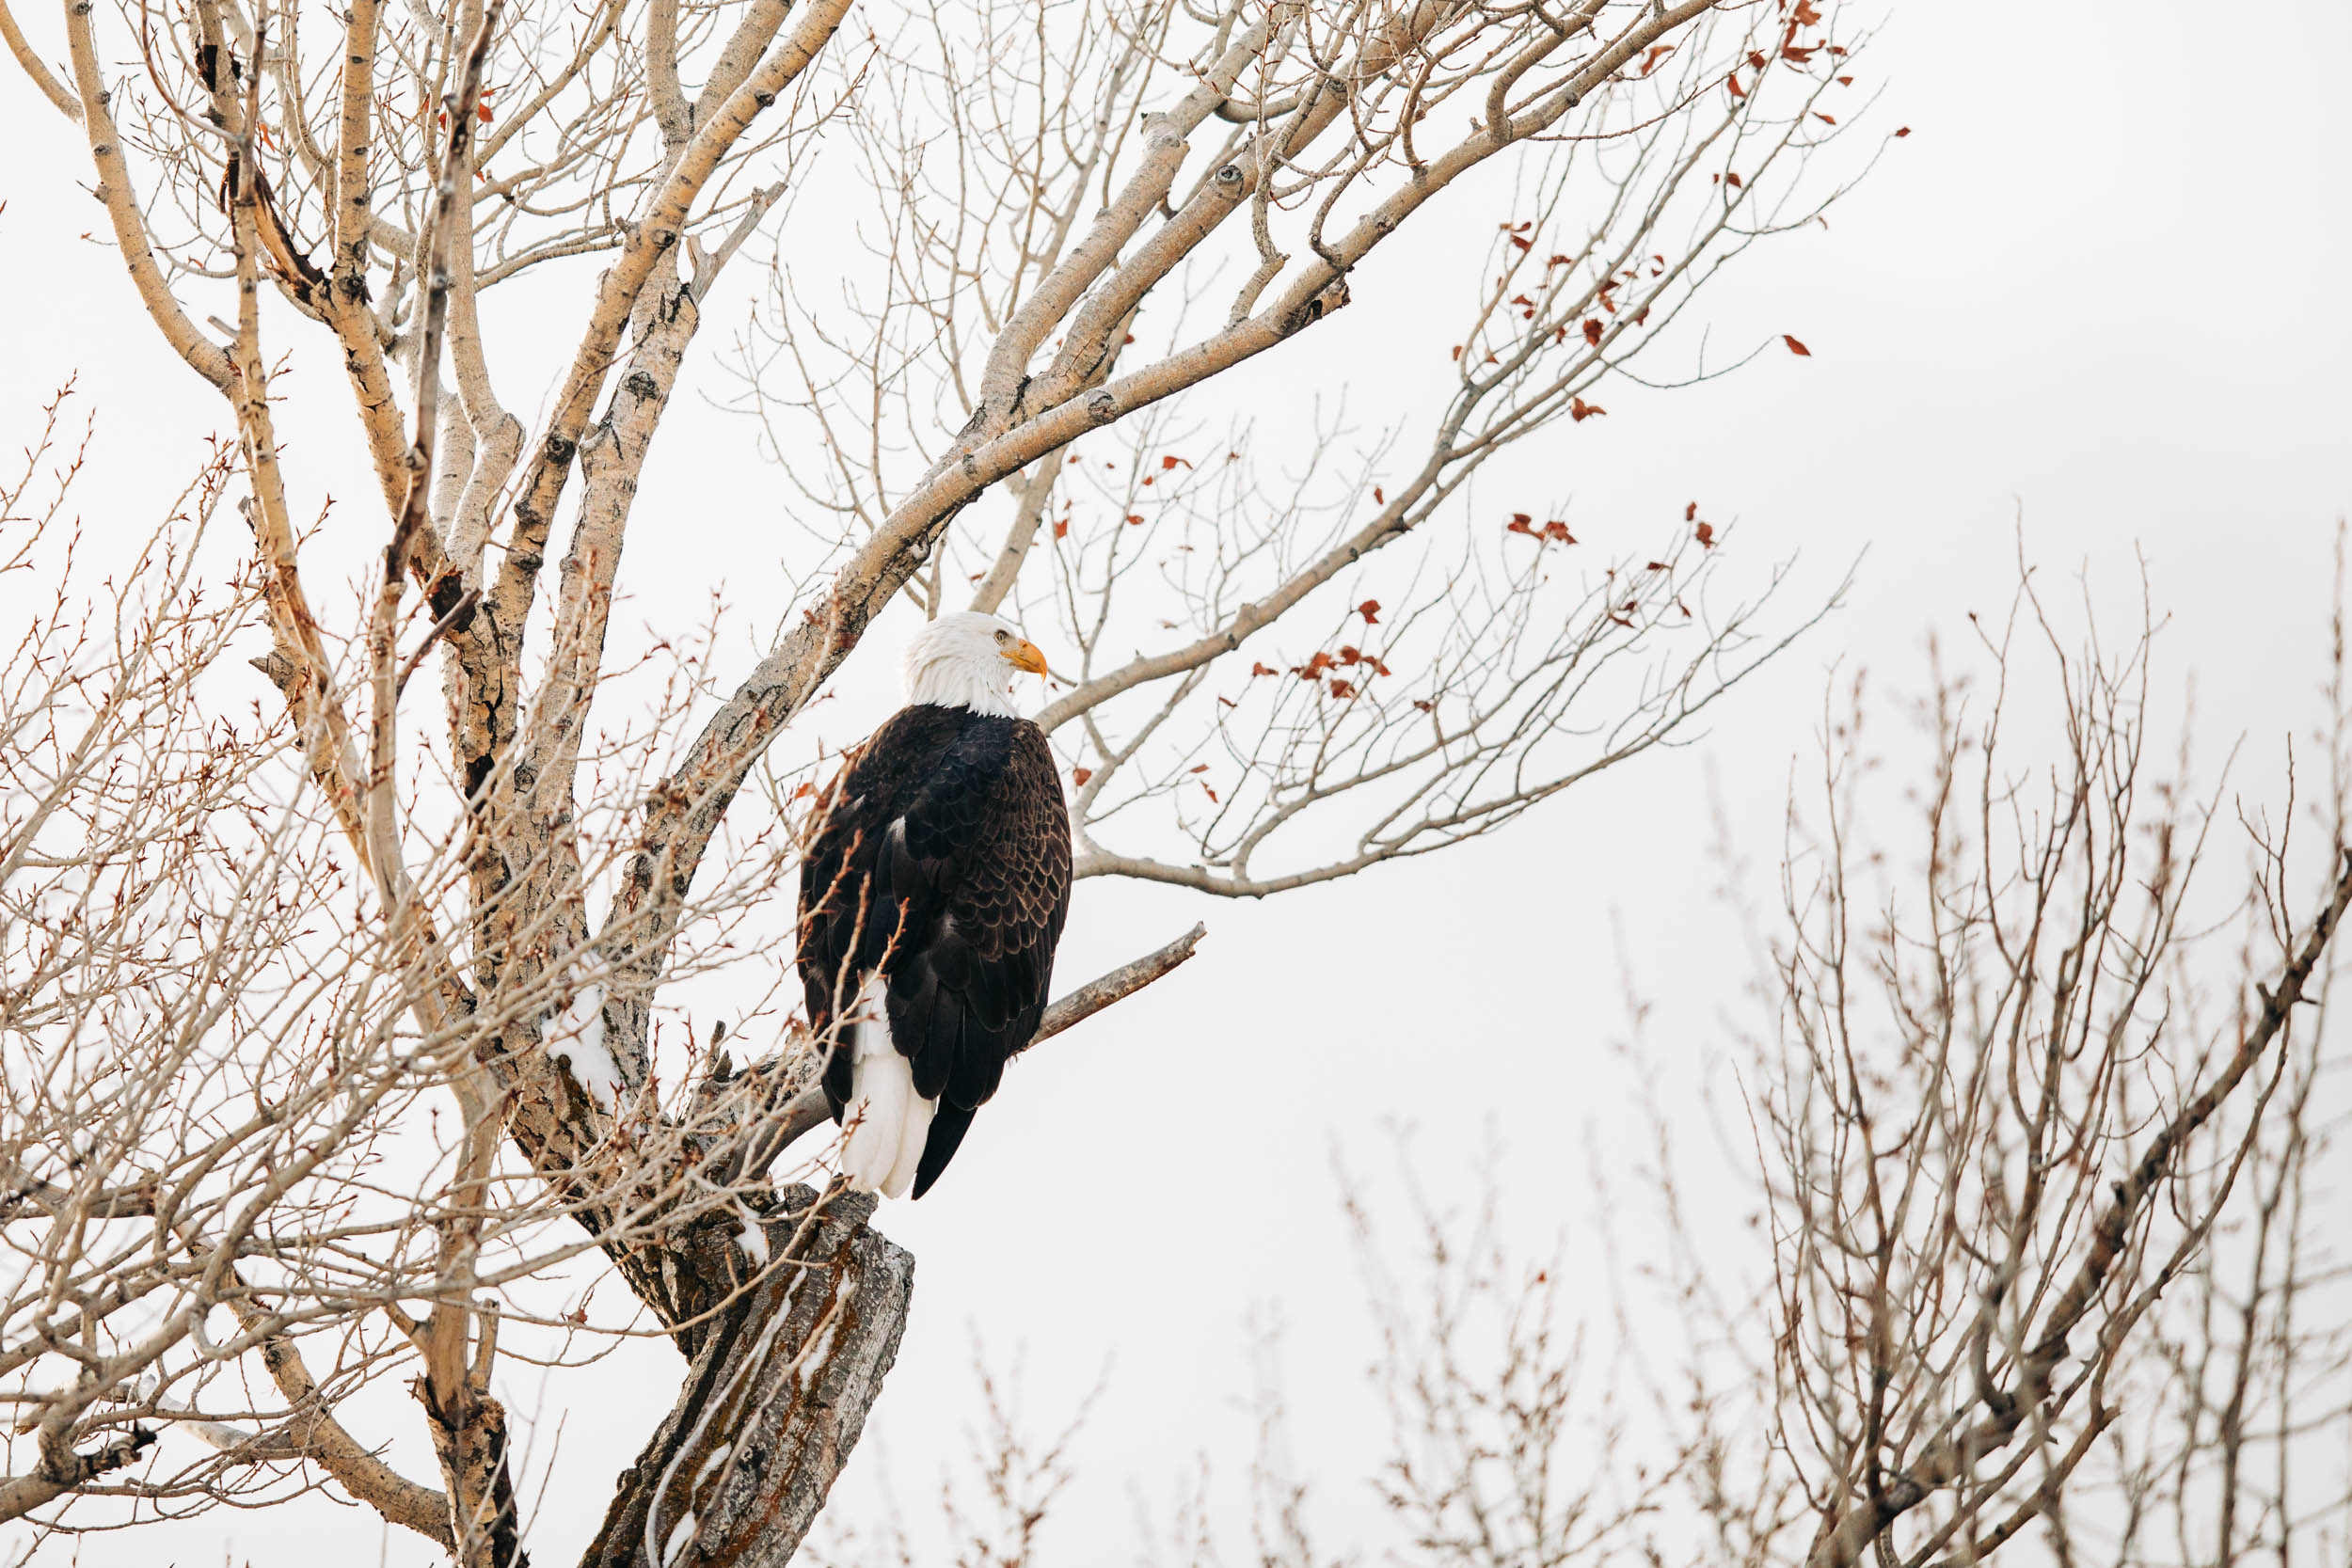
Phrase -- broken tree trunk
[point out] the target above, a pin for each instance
(778, 1391)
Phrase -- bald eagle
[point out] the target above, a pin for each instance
(930, 904)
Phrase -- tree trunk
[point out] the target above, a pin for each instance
(776, 1396)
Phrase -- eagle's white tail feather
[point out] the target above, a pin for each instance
(915, 1131)
(887, 1121)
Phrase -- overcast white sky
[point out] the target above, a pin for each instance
(2097, 297)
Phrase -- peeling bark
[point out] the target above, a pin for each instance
(775, 1401)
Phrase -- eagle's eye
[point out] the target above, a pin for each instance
(1003, 637)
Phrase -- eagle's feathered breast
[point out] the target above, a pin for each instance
(943, 868)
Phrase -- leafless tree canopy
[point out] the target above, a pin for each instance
(2024, 1242)
(2008, 1190)
(336, 1026)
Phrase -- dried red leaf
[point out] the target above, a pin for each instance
(1902, 131)
(1704, 533)
(1592, 331)
(1379, 499)
(1168, 463)
(1203, 769)
(1558, 531)
(1579, 410)
(1733, 179)
(1211, 793)
(1061, 527)
(1257, 669)
(1370, 609)
(1796, 347)
(1342, 688)
(1524, 243)
(1134, 517)
(1691, 513)
(1656, 52)
(1426, 707)
(1732, 82)
(1658, 566)
(1826, 120)
(1080, 775)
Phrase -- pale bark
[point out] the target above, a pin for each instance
(38, 70)
(474, 962)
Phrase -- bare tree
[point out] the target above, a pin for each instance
(334, 1030)
(2036, 1256)
(1995, 1180)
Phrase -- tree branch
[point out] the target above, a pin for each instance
(1844, 1541)
(206, 358)
(809, 1111)
(21, 1495)
(50, 86)
(311, 1432)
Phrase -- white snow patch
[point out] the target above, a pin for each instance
(718, 1457)
(576, 1040)
(751, 1238)
(813, 1358)
(681, 1536)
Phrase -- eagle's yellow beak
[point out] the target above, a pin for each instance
(1027, 658)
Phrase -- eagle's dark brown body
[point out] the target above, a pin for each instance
(944, 864)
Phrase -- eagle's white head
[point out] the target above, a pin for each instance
(968, 660)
